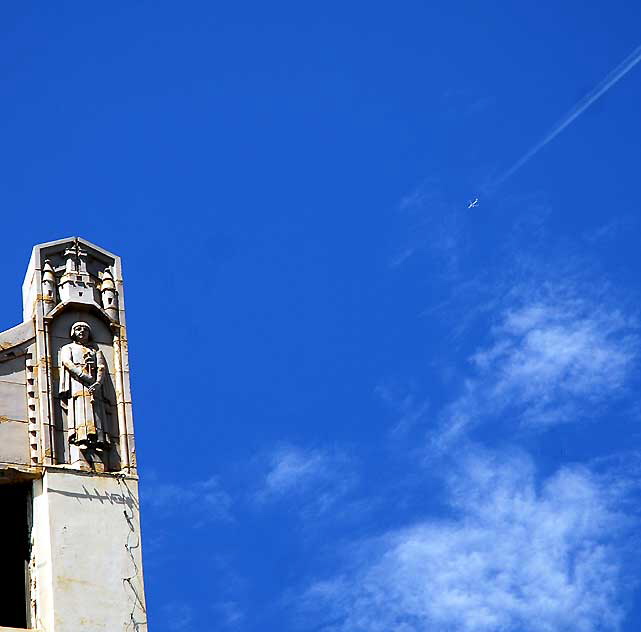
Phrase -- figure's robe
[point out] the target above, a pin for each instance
(86, 411)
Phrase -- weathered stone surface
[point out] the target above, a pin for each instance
(13, 367)
(67, 281)
(16, 336)
(85, 571)
(88, 550)
(13, 401)
(14, 442)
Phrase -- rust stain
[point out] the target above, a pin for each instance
(66, 583)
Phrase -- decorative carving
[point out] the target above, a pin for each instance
(48, 286)
(67, 401)
(76, 284)
(31, 405)
(82, 373)
(109, 296)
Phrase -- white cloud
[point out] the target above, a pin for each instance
(293, 469)
(437, 228)
(229, 612)
(552, 358)
(178, 615)
(320, 477)
(410, 408)
(203, 501)
(515, 557)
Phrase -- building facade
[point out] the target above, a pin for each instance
(70, 527)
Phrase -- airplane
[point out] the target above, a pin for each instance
(473, 203)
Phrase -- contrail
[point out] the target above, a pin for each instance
(599, 90)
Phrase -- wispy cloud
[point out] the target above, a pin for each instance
(612, 230)
(556, 353)
(318, 478)
(178, 615)
(514, 555)
(409, 408)
(201, 501)
(230, 613)
(436, 226)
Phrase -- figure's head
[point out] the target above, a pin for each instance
(80, 332)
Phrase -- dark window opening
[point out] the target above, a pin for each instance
(14, 554)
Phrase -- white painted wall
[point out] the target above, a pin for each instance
(88, 567)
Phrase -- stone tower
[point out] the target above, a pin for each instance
(69, 527)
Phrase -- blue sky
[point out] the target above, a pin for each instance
(360, 406)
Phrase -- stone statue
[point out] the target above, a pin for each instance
(82, 373)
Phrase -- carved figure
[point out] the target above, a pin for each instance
(82, 373)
